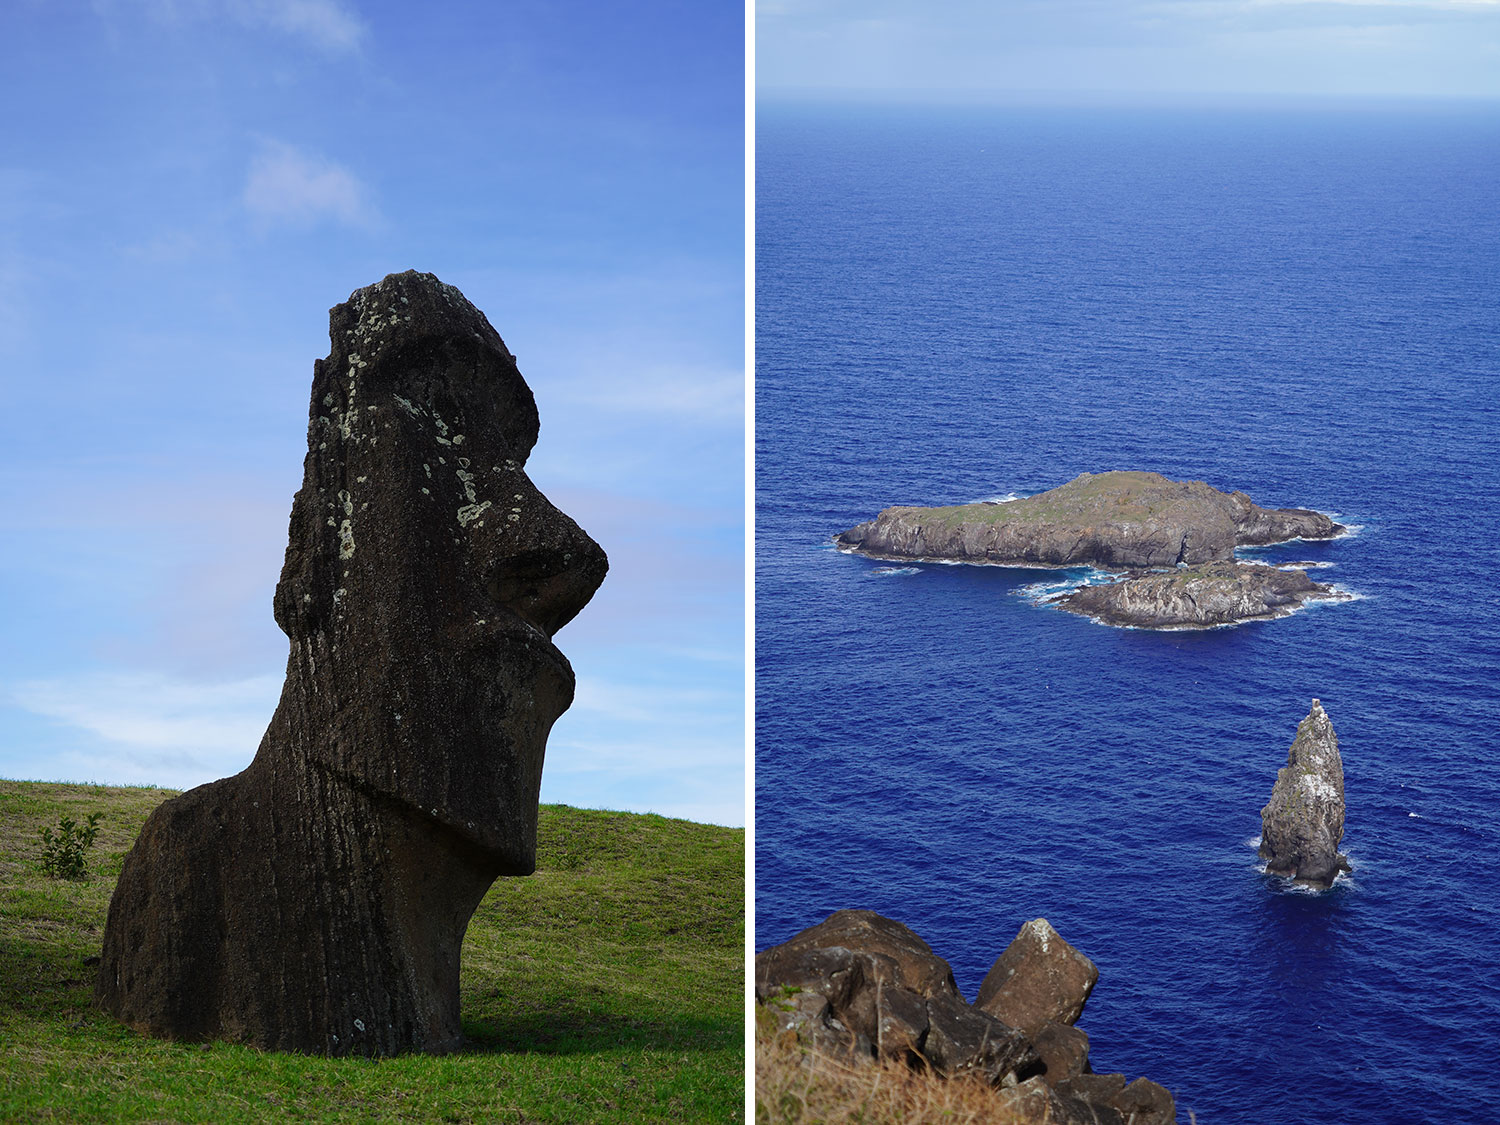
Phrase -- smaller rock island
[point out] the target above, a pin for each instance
(1200, 597)
(1175, 541)
(1303, 822)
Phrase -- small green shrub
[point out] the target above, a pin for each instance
(64, 856)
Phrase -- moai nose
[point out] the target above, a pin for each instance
(548, 568)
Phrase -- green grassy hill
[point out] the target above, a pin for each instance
(607, 987)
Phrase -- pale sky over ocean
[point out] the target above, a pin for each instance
(186, 187)
(1091, 50)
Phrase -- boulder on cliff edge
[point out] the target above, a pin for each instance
(861, 986)
(1303, 822)
(317, 901)
(1039, 978)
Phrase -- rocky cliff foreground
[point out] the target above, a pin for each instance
(1114, 520)
(1220, 593)
(862, 987)
(1303, 822)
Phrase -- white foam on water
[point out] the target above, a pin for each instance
(894, 571)
(1291, 886)
(1344, 595)
(1040, 593)
(1008, 498)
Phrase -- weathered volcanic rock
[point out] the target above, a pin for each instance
(1201, 597)
(1090, 1099)
(1303, 822)
(863, 986)
(1114, 520)
(1038, 978)
(1064, 1050)
(317, 901)
(1141, 1102)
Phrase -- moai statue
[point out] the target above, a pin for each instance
(317, 901)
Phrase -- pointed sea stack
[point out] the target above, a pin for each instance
(317, 901)
(1303, 822)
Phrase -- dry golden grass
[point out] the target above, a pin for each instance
(793, 1085)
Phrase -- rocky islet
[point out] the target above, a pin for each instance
(1303, 822)
(1199, 597)
(1174, 543)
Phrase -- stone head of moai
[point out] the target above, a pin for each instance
(317, 901)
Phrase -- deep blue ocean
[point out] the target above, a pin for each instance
(1301, 303)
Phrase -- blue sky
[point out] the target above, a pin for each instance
(186, 187)
(1090, 50)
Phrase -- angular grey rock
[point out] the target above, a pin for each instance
(1033, 1100)
(1143, 1102)
(1303, 822)
(317, 901)
(881, 992)
(1102, 1088)
(1039, 977)
(1064, 1050)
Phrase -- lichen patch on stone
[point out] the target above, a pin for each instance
(467, 480)
(471, 512)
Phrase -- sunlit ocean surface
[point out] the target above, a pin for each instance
(963, 305)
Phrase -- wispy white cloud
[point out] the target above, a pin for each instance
(14, 286)
(625, 745)
(622, 702)
(696, 393)
(170, 247)
(660, 734)
(1211, 8)
(1473, 5)
(327, 24)
(290, 187)
(154, 727)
